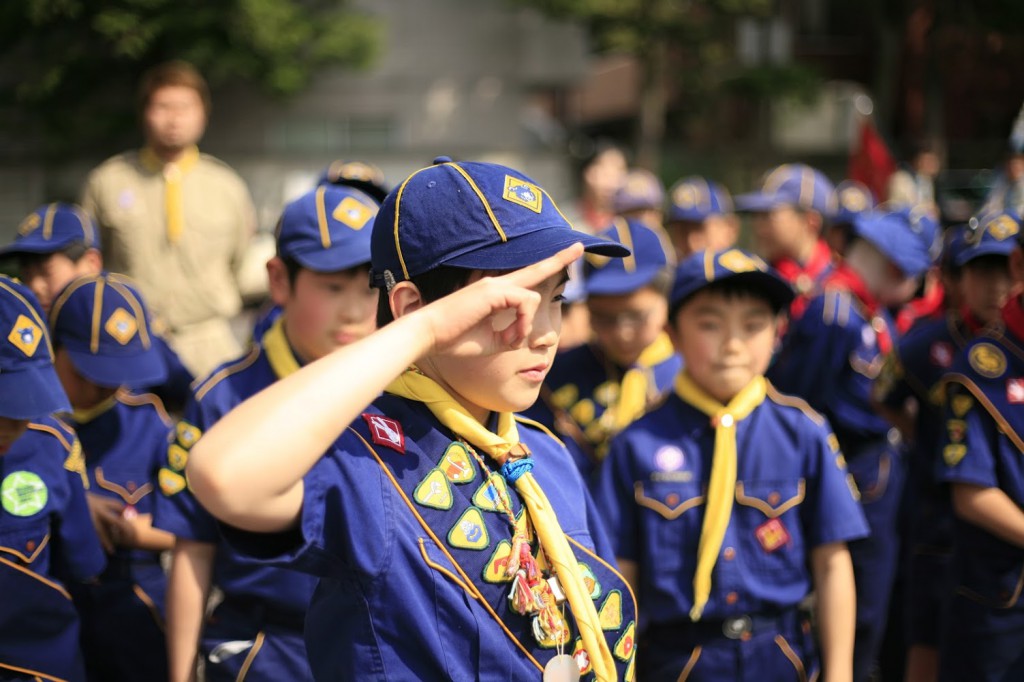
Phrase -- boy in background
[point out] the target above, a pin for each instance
(47, 540)
(102, 343)
(700, 216)
(320, 279)
(729, 502)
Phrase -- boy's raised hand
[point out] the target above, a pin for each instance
(493, 314)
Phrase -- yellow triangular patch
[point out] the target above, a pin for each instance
(352, 212)
(494, 571)
(434, 491)
(456, 465)
(610, 614)
(187, 434)
(565, 396)
(593, 585)
(523, 193)
(492, 495)
(469, 532)
(122, 326)
(171, 482)
(25, 335)
(953, 453)
(177, 457)
(626, 646)
(962, 404)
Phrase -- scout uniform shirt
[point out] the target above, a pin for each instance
(188, 278)
(981, 444)
(410, 537)
(46, 540)
(581, 397)
(254, 593)
(793, 494)
(124, 441)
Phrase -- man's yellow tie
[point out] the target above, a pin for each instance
(173, 172)
(413, 385)
(722, 486)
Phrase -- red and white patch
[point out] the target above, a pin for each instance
(386, 431)
(941, 354)
(1015, 391)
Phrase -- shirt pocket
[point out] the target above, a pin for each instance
(24, 542)
(767, 519)
(128, 484)
(670, 521)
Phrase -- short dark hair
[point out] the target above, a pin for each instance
(433, 284)
(731, 288)
(294, 267)
(73, 251)
(175, 72)
(991, 261)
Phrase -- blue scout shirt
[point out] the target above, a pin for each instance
(178, 512)
(831, 356)
(124, 446)
(981, 444)
(793, 493)
(410, 540)
(46, 539)
(577, 394)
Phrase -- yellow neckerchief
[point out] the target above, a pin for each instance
(279, 351)
(413, 385)
(86, 415)
(173, 172)
(722, 483)
(635, 388)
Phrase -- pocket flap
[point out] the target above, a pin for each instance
(773, 499)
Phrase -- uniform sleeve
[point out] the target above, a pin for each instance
(832, 511)
(89, 199)
(966, 441)
(891, 388)
(78, 554)
(618, 506)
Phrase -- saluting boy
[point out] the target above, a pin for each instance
(320, 279)
(596, 390)
(978, 261)
(102, 342)
(981, 444)
(730, 501)
(452, 540)
(46, 538)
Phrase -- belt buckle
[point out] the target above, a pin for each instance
(735, 628)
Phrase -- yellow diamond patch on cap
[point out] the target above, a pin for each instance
(352, 212)
(25, 335)
(122, 326)
(28, 224)
(735, 260)
(685, 196)
(523, 193)
(1003, 227)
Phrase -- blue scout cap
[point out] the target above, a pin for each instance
(29, 387)
(792, 184)
(52, 228)
(695, 199)
(894, 236)
(103, 324)
(995, 234)
(470, 215)
(612, 276)
(705, 267)
(851, 198)
(363, 176)
(327, 229)
(641, 191)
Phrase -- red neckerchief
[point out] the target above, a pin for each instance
(1013, 316)
(972, 323)
(804, 276)
(927, 306)
(845, 278)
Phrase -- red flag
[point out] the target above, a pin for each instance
(871, 163)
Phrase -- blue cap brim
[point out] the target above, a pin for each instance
(691, 216)
(533, 247)
(144, 369)
(615, 282)
(21, 247)
(776, 289)
(995, 248)
(756, 202)
(31, 393)
(343, 257)
(905, 257)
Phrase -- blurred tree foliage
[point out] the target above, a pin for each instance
(69, 68)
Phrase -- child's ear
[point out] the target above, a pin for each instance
(91, 262)
(405, 297)
(277, 277)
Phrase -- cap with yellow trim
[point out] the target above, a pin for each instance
(614, 276)
(29, 388)
(327, 229)
(641, 191)
(704, 268)
(993, 234)
(792, 184)
(52, 228)
(360, 175)
(694, 199)
(480, 216)
(103, 324)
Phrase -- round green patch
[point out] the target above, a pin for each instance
(23, 493)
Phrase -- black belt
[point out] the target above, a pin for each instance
(734, 627)
(261, 612)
